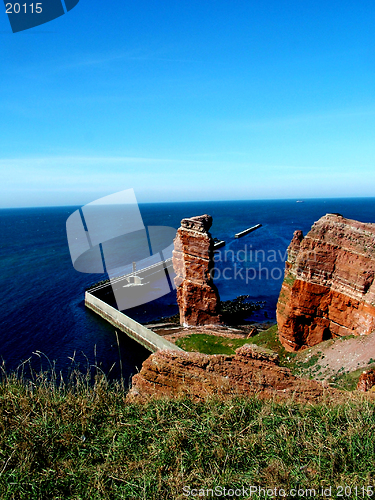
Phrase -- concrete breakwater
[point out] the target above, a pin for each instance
(247, 231)
(144, 336)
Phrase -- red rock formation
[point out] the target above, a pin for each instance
(328, 289)
(250, 371)
(366, 381)
(197, 296)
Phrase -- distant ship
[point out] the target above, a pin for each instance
(300, 201)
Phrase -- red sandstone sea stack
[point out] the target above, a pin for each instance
(328, 289)
(197, 296)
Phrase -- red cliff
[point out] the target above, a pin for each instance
(197, 296)
(328, 289)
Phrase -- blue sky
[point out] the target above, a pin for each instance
(189, 100)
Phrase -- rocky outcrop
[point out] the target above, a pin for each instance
(366, 381)
(328, 289)
(197, 296)
(251, 371)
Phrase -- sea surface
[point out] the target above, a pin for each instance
(42, 313)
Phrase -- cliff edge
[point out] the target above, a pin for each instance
(328, 289)
(251, 371)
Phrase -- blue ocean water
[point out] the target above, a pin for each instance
(42, 295)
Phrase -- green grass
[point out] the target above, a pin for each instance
(81, 442)
(268, 338)
(210, 344)
(347, 381)
(216, 344)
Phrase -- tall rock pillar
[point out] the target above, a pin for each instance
(197, 296)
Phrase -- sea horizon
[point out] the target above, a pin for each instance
(296, 199)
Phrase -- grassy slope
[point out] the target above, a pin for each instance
(301, 364)
(86, 442)
(210, 344)
(215, 344)
(198, 341)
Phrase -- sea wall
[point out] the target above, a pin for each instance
(144, 336)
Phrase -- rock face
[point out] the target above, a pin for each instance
(197, 296)
(366, 381)
(250, 371)
(328, 289)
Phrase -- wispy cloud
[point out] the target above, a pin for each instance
(77, 180)
(299, 119)
(112, 58)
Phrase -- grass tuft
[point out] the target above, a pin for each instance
(210, 344)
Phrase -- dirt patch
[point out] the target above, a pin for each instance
(336, 357)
